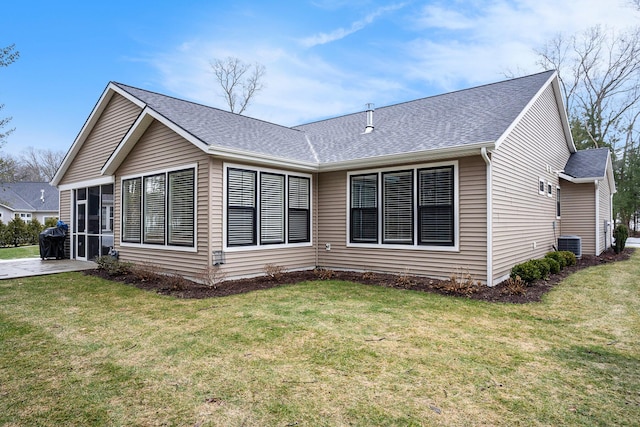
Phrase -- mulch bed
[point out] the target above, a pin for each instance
(182, 288)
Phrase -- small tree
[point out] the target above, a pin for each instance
(50, 222)
(620, 233)
(34, 228)
(3, 234)
(16, 233)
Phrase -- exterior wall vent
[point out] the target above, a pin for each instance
(570, 243)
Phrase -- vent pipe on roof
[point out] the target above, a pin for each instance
(42, 195)
(369, 127)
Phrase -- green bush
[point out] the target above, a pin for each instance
(528, 271)
(34, 228)
(543, 266)
(569, 257)
(112, 266)
(620, 233)
(554, 265)
(557, 257)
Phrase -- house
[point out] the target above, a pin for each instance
(28, 200)
(479, 179)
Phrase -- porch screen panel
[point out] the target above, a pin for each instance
(271, 208)
(398, 207)
(299, 209)
(181, 208)
(154, 209)
(436, 206)
(364, 208)
(131, 210)
(241, 207)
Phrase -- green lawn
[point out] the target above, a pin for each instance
(76, 350)
(32, 251)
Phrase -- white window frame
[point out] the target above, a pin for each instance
(558, 202)
(259, 245)
(549, 189)
(414, 246)
(166, 246)
(544, 186)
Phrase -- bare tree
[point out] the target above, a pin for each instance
(8, 55)
(239, 81)
(599, 72)
(39, 165)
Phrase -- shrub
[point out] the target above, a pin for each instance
(554, 265)
(514, 286)
(323, 273)
(212, 276)
(274, 271)
(620, 233)
(34, 228)
(569, 257)
(543, 266)
(528, 271)
(558, 257)
(112, 266)
(461, 284)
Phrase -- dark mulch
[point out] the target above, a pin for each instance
(182, 288)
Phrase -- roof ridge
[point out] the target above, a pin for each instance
(429, 97)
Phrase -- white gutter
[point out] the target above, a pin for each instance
(487, 160)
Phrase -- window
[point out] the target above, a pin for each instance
(267, 208)
(421, 199)
(549, 190)
(364, 208)
(558, 202)
(541, 186)
(159, 209)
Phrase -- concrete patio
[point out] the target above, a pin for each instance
(12, 269)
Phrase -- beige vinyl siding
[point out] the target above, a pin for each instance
(252, 260)
(579, 213)
(332, 224)
(522, 218)
(113, 124)
(160, 149)
(604, 214)
(65, 216)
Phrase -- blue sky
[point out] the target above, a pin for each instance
(323, 57)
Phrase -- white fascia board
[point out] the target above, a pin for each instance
(91, 121)
(103, 180)
(612, 179)
(411, 157)
(244, 156)
(587, 180)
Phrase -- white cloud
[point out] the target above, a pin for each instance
(340, 33)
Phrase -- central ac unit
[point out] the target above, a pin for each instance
(570, 243)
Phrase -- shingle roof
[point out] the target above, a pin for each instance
(590, 163)
(26, 196)
(471, 116)
(216, 127)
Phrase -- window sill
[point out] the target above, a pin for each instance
(266, 247)
(405, 247)
(158, 247)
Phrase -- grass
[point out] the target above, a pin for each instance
(32, 251)
(76, 350)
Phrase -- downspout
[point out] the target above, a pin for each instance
(597, 185)
(487, 160)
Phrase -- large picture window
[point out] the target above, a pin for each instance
(159, 209)
(267, 208)
(418, 207)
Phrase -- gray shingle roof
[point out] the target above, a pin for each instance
(590, 163)
(477, 115)
(26, 196)
(220, 128)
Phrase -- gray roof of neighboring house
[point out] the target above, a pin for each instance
(477, 115)
(591, 163)
(27, 196)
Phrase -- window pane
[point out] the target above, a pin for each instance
(106, 210)
(398, 207)
(154, 213)
(299, 206)
(131, 209)
(436, 204)
(271, 208)
(181, 208)
(93, 210)
(558, 202)
(241, 207)
(364, 208)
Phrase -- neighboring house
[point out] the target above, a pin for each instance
(28, 200)
(467, 180)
